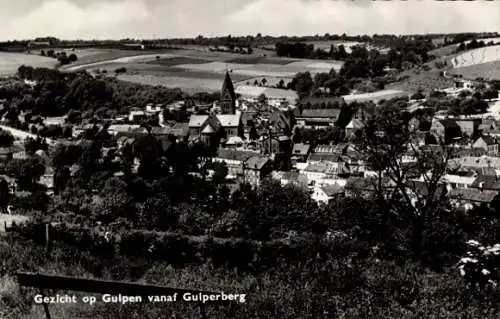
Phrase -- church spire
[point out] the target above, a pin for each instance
(227, 87)
(228, 95)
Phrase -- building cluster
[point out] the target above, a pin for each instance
(253, 136)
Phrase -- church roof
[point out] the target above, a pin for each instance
(208, 129)
(197, 120)
(229, 120)
(227, 86)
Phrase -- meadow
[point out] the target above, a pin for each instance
(477, 56)
(421, 80)
(10, 62)
(489, 70)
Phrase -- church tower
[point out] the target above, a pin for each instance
(228, 96)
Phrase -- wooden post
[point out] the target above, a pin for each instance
(47, 237)
(202, 311)
(45, 306)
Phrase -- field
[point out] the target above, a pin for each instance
(192, 69)
(427, 81)
(10, 62)
(198, 70)
(444, 51)
(477, 56)
(489, 70)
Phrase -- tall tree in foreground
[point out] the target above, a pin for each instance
(383, 143)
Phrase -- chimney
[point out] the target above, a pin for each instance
(481, 186)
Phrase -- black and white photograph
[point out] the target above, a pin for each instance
(249, 159)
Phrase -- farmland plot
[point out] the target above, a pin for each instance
(190, 85)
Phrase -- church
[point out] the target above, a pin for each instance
(215, 127)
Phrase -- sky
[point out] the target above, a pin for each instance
(146, 19)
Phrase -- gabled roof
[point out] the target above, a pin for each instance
(229, 120)
(208, 129)
(326, 168)
(488, 140)
(333, 149)
(332, 189)
(324, 157)
(257, 162)
(301, 149)
(449, 123)
(355, 124)
(227, 87)
(473, 195)
(320, 113)
(197, 120)
(487, 182)
(421, 188)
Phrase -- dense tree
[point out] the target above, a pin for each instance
(26, 171)
(6, 138)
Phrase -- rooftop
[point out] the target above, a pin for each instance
(473, 195)
(332, 189)
(256, 162)
(301, 149)
(320, 113)
(235, 155)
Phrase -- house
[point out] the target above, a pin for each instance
(367, 187)
(475, 162)
(20, 155)
(364, 112)
(327, 153)
(291, 178)
(318, 118)
(136, 115)
(300, 152)
(487, 182)
(80, 129)
(154, 109)
(471, 197)
(418, 192)
(179, 130)
(326, 193)
(463, 179)
(7, 153)
(234, 160)
(487, 126)
(445, 130)
(255, 169)
(488, 143)
(468, 127)
(115, 129)
(231, 124)
(353, 126)
(281, 121)
(211, 128)
(318, 172)
(275, 144)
